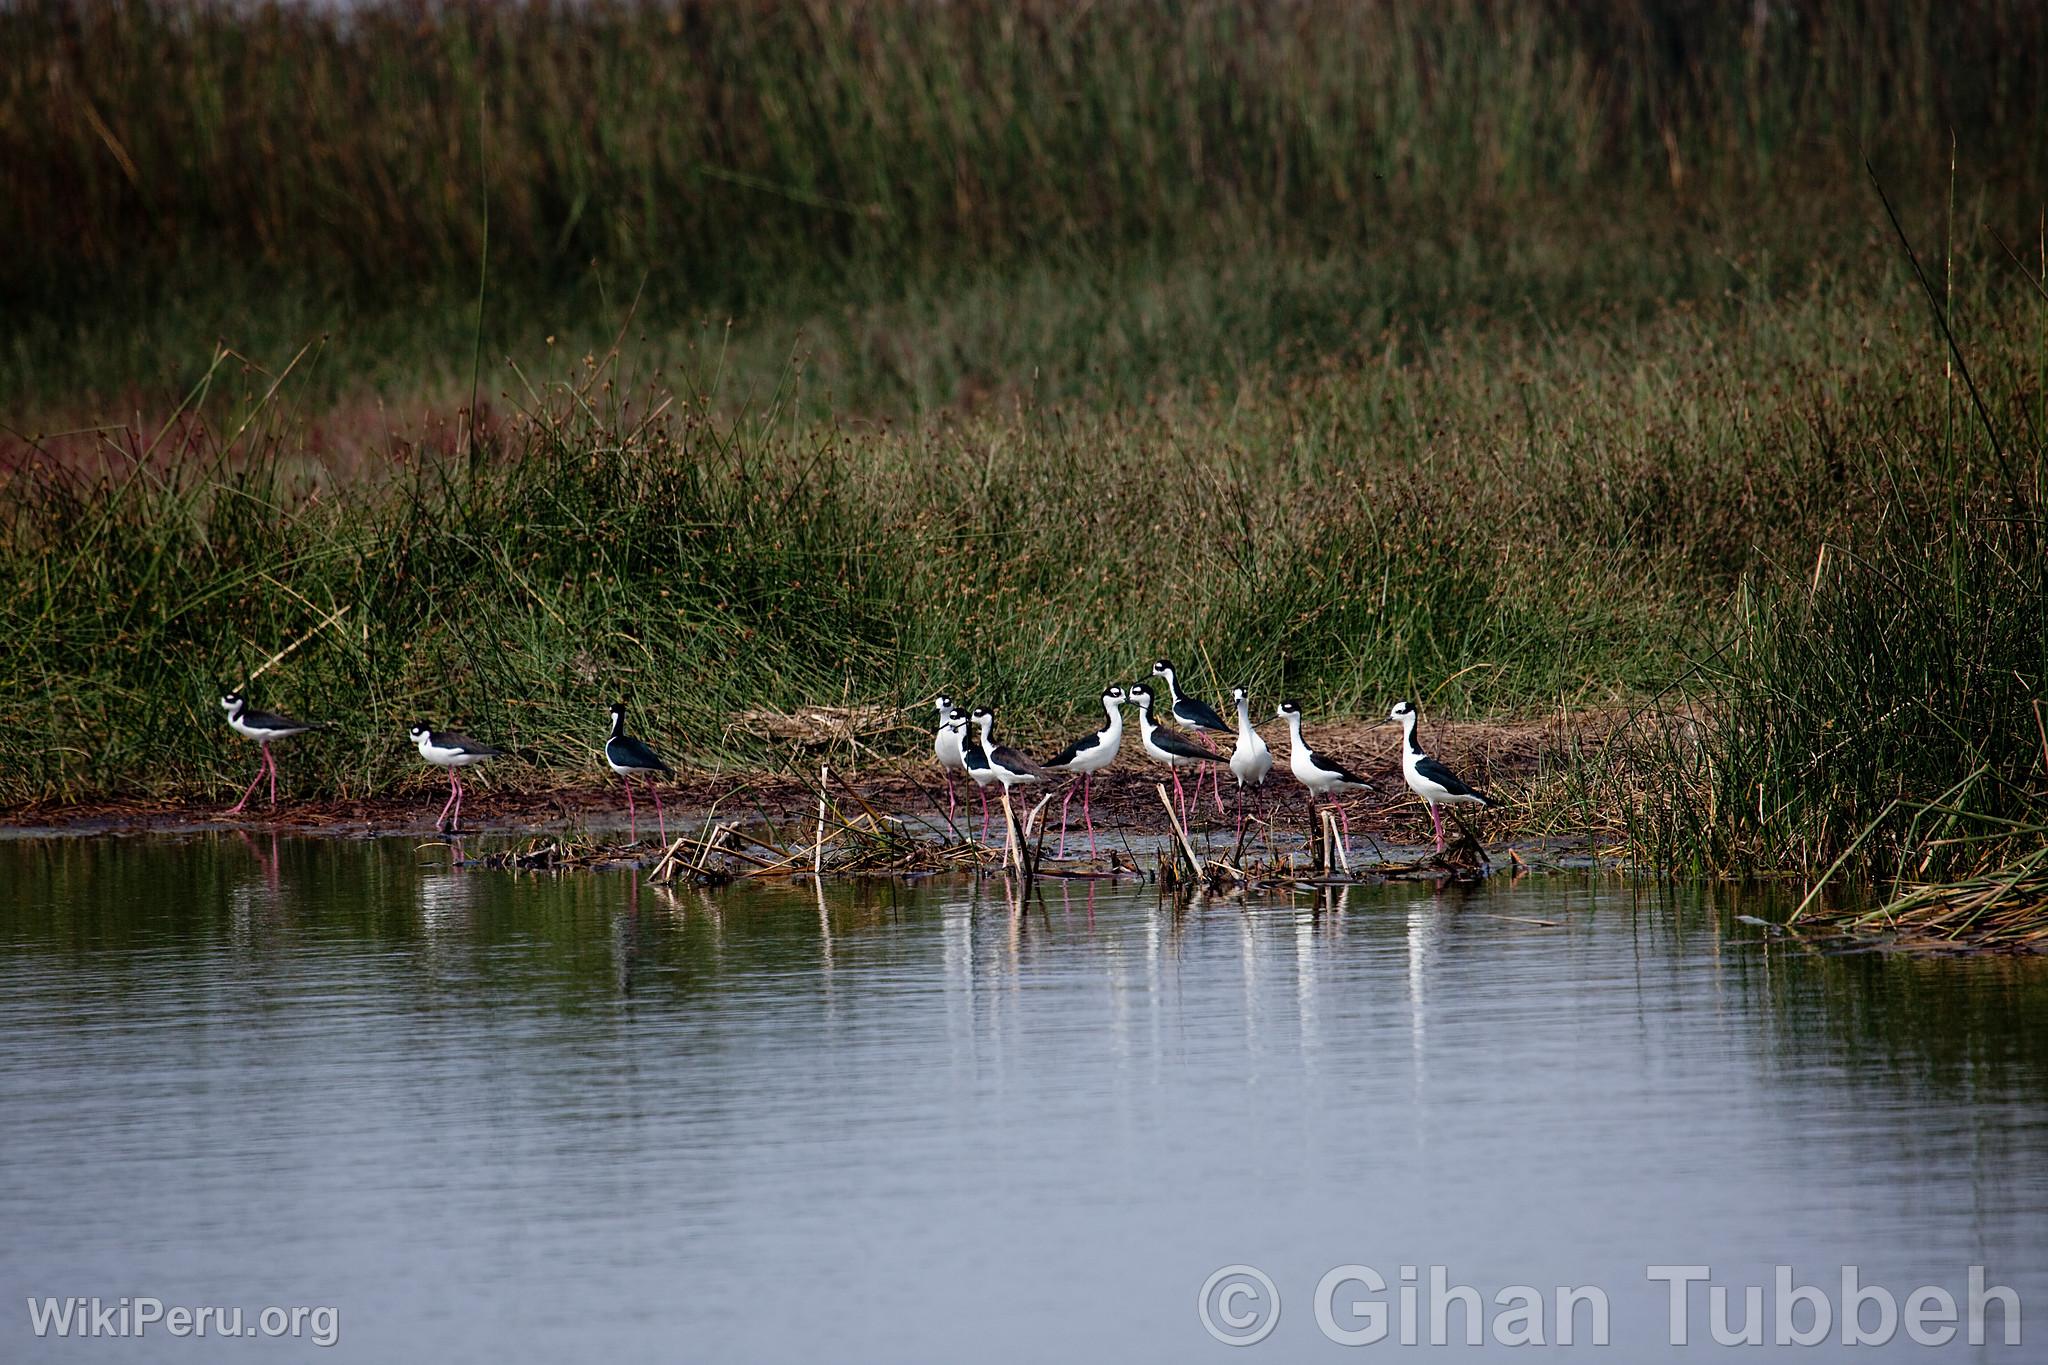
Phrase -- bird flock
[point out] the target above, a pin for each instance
(452, 752)
(965, 744)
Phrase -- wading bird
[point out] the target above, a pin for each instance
(1251, 760)
(1429, 779)
(266, 728)
(946, 748)
(446, 749)
(629, 758)
(1321, 776)
(1162, 744)
(1195, 715)
(1006, 765)
(1087, 757)
(974, 757)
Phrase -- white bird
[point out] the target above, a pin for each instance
(630, 758)
(1163, 745)
(974, 757)
(946, 748)
(1429, 779)
(1323, 777)
(1196, 715)
(1251, 760)
(1005, 765)
(1087, 757)
(266, 728)
(446, 749)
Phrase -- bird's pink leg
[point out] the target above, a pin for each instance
(1437, 821)
(1180, 796)
(270, 762)
(660, 818)
(236, 809)
(949, 796)
(1215, 787)
(984, 811)
(442, 819)
(1344, 818)
(1087, 782)
(1065, 806)
(632, 817)
(1240, 812)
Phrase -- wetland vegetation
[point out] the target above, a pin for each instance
(483, 363)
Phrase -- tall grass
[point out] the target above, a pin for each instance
(1879, 706)
(175, 172)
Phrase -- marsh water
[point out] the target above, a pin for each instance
(488, 1116)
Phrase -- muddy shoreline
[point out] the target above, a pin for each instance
(506, 799)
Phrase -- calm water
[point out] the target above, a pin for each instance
(505, 1119)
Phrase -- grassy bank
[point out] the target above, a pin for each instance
(1492, 525)
(485, 363)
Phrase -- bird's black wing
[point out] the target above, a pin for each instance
(445, 739)
(1436, 772)
(1200, 715)
(1334, 769)
(1016, 761)
(1086, 744)
(1183, 748)
(628, 752)
(272, 720)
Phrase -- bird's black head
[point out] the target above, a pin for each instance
(1141, 694)
(1161, 667)
(230, 700)
(956, 714)
(1402, 710)
(944, 703)
(419, 731)
(1290, 707)
(1113, 693)
(982, 713)
(1240, 693)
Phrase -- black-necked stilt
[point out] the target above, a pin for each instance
(1195, 715)
(1251, 760)
(446, 749)
(1429, 779)
(1086, 757)
(1162, 744)
(1323, 777)
(266, 728)
(629, 758)
(974, 757)
(946, 748)
(1006, 765)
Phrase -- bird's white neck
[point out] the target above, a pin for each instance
(1115, 711)
(1244, 717)
(1408, 733)
(1172, 685)
(988, 725)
